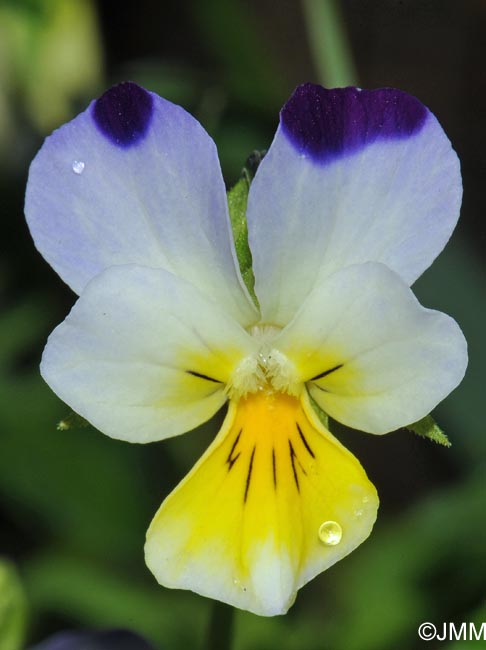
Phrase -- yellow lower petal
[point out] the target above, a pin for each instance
(275, 500)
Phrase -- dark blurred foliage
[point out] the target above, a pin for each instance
(74, 505)
(102, 640)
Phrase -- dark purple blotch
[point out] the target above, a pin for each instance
(327, 124)
(123, 114)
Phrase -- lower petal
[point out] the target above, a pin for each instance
(275, 500)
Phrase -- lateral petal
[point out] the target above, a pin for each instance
(275, 500)
(135, 179)
(351, 176)
(144, 355)
(372, 356)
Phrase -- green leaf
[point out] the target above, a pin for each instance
(61, 476)
(237, 203)
(13, 609)
(427, 427)
(410, 563)
(104, 594)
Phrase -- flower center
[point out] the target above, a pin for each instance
(267, 370)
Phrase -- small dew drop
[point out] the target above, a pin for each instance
(358, 513)
(365, 499)
(78, 166)
(330, 533)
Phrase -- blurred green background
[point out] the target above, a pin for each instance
(74, 505)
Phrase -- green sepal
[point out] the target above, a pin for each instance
(322, 415)
(427, 427)
(237, 204)
(13, 608)
(72, 421)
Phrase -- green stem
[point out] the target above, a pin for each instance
(329, 43)
(220, 627)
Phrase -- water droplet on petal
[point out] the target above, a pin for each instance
(78, 166)
(330, 533)
(237, 583)
(358, 513)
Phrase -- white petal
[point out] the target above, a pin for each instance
(144, 355)
(135, 179)
(376, 359)
(350, 177)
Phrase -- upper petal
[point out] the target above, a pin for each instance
(351, 176)
(375, 359)
(135, 179)
(144, 355)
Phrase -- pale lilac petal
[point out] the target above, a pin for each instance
(351, 176)
(135, 179)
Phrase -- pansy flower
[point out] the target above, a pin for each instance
(358, 193)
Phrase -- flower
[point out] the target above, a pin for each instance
(359, 192)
